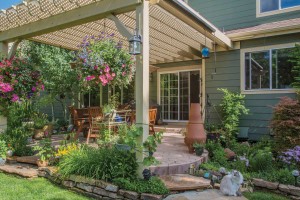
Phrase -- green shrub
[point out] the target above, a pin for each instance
(103, 163)
(283, 176)
(153, 186)
(17, 138)
(261, 161)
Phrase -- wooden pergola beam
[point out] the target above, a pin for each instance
(81, 15)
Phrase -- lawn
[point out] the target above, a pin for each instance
(13, 188)
(264, 196)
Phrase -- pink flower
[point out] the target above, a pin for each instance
(107, 69)
(42, 87)
(95, 67)
(113, 74)
(33, 89)
(89, 78)
(6, 87)
(15, 98)
(123, 73)
(123, 65)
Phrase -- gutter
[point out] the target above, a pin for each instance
(187, 9)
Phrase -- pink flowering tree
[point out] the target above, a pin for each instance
(19, 81)
(104, 61)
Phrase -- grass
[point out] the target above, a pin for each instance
(263, 196)
(13, 188)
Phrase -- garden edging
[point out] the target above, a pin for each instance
(97, 189)
(290, 190)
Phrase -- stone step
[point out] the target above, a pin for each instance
(28, 159)
(184, 182)
(24, 170)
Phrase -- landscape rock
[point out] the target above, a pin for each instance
(265, 184)
(100, 191)
(284, 188)
(229, 154)
(146, 196)
(85, 187)
(69, 184)
(21, 170)
(28, 159)
(290, 189)
(129, 194)
(112, 188)
(81, 179)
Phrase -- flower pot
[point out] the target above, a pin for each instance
(9, 153)
(38, 134)
(2, 161)
(199, 151)
(41, 163)
(195, 128)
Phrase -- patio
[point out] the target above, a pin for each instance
(172, 153)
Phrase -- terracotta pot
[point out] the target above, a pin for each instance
(41, 163)
(38, 134)
(195, 127)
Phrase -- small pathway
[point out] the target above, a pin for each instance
(204, 195)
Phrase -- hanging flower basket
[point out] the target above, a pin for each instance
(19, 80)
(104, 61)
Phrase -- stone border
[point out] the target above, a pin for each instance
(289, 190)
(97, 189)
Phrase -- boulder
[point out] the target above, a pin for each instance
(229, 154)
(265, 184)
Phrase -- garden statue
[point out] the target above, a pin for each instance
(231, 184)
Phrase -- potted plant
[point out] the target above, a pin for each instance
(3, 151)
(40, 122)
(45, 151)
(199, 148)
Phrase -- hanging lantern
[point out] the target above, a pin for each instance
(135, 44)
(205, 53)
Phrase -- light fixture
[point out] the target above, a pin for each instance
(296, 174)
(205, 53)
(135, 44)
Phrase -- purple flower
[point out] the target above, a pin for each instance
(15, 98)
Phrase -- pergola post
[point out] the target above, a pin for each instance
(142, 77)
(203, 92)
(3, 53)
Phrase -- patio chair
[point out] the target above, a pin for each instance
(152, 118)
(95, 120)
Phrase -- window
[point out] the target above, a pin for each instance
(269, 7)
(268, 69)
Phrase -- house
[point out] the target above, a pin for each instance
(247, 36)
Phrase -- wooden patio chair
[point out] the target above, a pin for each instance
(95, 120)
(152, 118)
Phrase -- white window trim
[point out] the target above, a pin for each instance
(275, 12)
(175, 70)
(243, 78)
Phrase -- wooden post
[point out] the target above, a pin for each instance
(203, 92)
(3, 53)
(142, 78)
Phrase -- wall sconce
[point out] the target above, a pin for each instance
(135, 44)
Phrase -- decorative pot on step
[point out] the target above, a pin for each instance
(41, 163)
(38, 134)
(195, 128)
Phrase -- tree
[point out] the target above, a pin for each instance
(60, 79)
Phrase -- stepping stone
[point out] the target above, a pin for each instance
(183, 182)
(205, 195)
(27, 171)
(28, 159)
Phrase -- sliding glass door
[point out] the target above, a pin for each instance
(177, 91)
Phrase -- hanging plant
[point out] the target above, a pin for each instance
(104, 61)
(18, 81)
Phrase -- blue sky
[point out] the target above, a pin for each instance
(7, 3)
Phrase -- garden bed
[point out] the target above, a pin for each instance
(94, 188)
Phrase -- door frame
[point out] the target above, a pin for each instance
(178, 70)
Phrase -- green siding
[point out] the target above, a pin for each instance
(228, 76)
(235, 14)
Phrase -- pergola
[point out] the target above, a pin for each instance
(171, 32)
